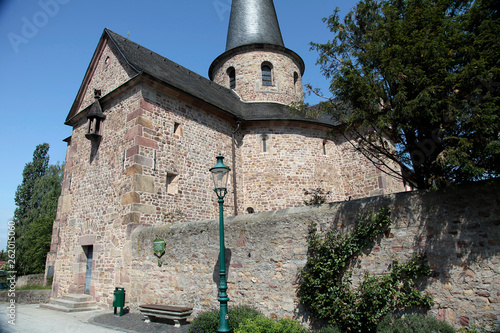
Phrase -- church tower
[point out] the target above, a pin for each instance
(256, 64)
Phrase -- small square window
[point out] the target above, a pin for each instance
(177, 129)
(172, 183)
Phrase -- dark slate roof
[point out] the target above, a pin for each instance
(180, 78)
(253, 22)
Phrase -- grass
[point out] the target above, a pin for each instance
(34, 287)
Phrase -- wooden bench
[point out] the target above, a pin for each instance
(178, 314)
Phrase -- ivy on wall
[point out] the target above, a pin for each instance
(325, 282)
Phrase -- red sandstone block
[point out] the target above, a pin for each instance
(146, 106)
(483, 293)
(139, 140)
(441, 315)
(134, 114)
(132, 151)
(133, 132)
(464, 321)
(397, 248)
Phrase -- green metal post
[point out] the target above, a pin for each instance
(223, 298)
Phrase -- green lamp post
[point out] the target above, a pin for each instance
(220, 174)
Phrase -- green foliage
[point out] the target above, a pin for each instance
(325, 288)
(34, 287)
(209, 321)
(413, 323)
(318, 196)
(238, 314)
(31, 172)
(262, 324)
(206, 322)
(425, 75)
(36, 200)
(329, 329)
(480, 329)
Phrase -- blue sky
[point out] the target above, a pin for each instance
(46, 47)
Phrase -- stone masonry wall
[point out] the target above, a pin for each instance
(298, 157)
(171, 159)
(112, 71)
(458, 229)
(90, 212)
(284, 89)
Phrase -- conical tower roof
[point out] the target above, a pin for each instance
(253, 22)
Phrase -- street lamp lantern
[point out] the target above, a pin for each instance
(220, 174)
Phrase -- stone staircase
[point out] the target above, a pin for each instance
(71, 303)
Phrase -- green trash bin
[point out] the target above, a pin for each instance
(119, 299)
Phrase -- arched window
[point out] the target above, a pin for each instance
(231, 73)
(267, 79)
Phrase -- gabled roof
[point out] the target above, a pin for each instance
(147, 62)
(173, 74)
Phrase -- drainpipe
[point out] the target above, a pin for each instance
(238, 122)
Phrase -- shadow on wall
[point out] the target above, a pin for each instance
(459, 231)
(216, 273)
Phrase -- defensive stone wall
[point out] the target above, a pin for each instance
(26, 296)
(33, 279)
(458, 229)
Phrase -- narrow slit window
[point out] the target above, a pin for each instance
(267, 79)
(264, 139)
(324, 147)
(70, 181)
(231, 72)
(295, 80)
(172, 183)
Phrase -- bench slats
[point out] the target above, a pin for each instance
(166, 308)
(176, 313)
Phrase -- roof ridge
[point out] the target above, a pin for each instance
(115, 35)
(179, 77)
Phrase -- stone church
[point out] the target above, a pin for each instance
(146, 131)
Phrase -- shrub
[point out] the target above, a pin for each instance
(262, 324)
(494, 328)
(325, 287)
(413, 323)
(318, 196)
(208, 322)
(239, 314)
(330, 329)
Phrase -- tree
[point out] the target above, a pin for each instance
(36, 200)
(416, 84)
(31, 172)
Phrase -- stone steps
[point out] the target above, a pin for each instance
(71, 303)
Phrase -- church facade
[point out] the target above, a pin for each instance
(146, 131)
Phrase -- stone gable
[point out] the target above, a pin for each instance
(109, 72)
